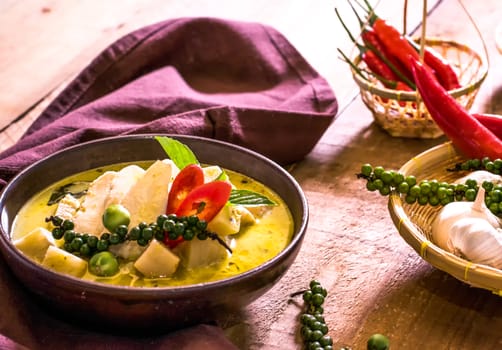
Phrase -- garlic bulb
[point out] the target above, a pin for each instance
(454, 211)
(477, 240)
(470, 229)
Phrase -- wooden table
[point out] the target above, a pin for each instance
(376, 282)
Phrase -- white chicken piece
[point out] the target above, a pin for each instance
(88, 218)
(123, 182)
(67, 207)
(147, 198)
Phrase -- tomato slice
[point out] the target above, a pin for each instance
(206, 200)
(187, 179)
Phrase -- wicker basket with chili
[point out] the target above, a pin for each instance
(456, 66)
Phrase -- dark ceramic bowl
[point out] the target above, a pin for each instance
(133, 308)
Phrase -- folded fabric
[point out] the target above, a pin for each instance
(238, 82)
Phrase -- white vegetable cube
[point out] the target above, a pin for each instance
(35, 243)
(199, 253)
(61, 261)
(157, 261)
(226, 222)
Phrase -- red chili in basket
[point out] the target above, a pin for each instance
(442, 68)
(383, 72)
(394, 43)
(379, 68)
(371, 41)
(466, 133)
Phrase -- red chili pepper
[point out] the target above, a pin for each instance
(466, 133)
(397, 45)
(394, 43)
(442, 68)
(492, 121)
(369, 56)
(206, 200)
(379, 68)
(371, 41)
(187, 179)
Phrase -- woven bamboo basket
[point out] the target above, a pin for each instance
(414, 221)
(401, 113)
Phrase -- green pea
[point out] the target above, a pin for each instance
(103, 264)
(114, 216)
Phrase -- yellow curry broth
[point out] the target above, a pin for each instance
(252, 246)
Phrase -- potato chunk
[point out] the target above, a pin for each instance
(60, 260)
(227, 221)
(198, 253)
(35, 243)
(157, 261)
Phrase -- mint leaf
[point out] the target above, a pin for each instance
(179, 153)
(246, 197)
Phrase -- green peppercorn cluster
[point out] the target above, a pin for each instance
(493, 166)
(434, 192)
(314, 330)
(170, 227)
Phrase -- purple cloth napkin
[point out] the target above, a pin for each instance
(238, 82)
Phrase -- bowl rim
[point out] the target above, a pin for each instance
(90, 286)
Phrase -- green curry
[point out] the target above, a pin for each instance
(252, 245)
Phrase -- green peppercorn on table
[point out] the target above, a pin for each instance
(375, 283)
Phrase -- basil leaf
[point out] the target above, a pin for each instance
(246, 197)
(179, 153)
(76, 189)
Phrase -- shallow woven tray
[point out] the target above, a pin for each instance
(413, 222)
(401, 113)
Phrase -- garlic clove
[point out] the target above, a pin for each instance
(476, 240)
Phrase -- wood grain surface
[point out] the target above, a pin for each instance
(376, 282)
